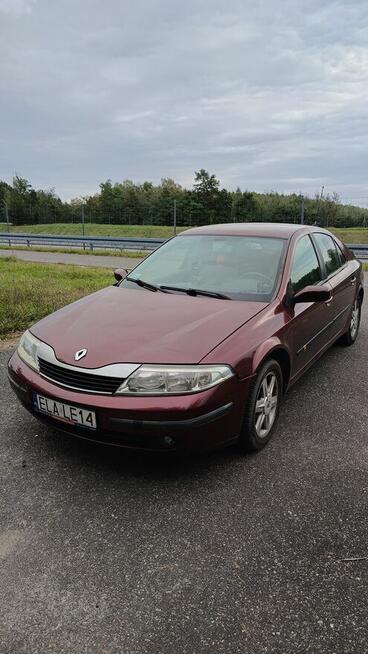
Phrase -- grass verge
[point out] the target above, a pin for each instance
(351, 234)
(30, 291)
(95, 229)
(348, 234)
(132, 254)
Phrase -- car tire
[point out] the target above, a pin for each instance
(350, 336)
(262, 409)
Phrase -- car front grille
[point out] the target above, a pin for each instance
(81, 381)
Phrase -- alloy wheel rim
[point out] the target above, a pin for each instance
(354, 323)
(266, 405)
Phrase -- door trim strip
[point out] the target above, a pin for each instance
(321, 331)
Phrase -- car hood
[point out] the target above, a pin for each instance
(118, 325)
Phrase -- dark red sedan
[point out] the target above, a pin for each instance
(196, 346)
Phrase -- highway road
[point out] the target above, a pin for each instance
(97, 261)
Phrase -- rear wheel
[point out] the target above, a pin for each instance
(351, 335)
(262, 408)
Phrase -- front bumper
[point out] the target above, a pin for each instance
(200, 421)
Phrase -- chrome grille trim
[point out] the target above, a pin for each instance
(78, 381)
(122, 370)
(100, 381)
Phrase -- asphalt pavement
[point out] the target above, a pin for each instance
(104, 553)
(97, 261)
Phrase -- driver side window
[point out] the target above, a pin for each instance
(305, 268)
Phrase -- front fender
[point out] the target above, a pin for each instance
(265, 349)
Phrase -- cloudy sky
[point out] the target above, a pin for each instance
(265, 94)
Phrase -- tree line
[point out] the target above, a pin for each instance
(148, 204)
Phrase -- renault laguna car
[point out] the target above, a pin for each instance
(195, 348)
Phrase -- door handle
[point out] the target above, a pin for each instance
(328, 302)
(352, 280)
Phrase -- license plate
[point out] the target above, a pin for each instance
(73, 415)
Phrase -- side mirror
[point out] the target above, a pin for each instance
(312, 294)
(121, 273)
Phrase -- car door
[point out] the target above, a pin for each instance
(310, 321)
(341, 275)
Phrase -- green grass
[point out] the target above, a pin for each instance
(132, 254)
(95, 229)
(30, 291)
(349, 235)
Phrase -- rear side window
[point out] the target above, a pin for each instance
(329, 251)
(305, 269)
(341, 254)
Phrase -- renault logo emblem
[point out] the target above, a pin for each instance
(80, 354)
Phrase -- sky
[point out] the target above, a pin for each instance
(266, 95)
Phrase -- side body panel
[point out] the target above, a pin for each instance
(303, 332)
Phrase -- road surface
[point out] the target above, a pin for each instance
(105, 553)
(97, 261)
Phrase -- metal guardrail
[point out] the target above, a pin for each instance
(89, 242)
(360, 250)
(105, 242)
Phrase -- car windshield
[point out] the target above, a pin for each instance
(237, 267)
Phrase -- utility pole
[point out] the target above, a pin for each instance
(302, 211)
(174, 217)
(319, 202)
(321, 198)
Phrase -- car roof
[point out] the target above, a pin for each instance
(275, 230)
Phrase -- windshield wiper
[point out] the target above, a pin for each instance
(188, 291)
(140, 282)
(195, 291)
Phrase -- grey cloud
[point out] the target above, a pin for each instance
(16, 7)
(264, 95)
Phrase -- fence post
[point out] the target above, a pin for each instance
(84, 245)
(7, 215)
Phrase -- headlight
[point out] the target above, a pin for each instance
(28, 349)
(173, 380)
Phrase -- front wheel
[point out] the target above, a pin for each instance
(351, 335)
(262, 408)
